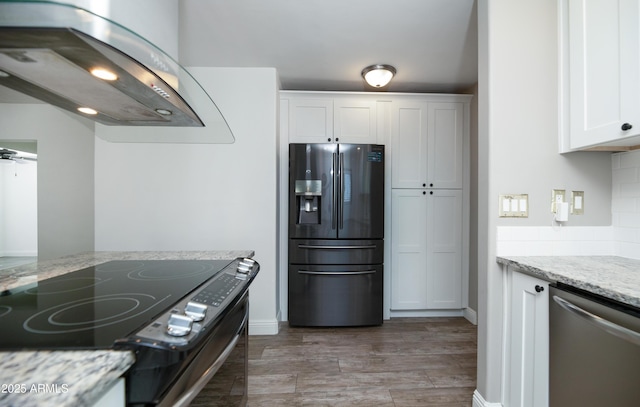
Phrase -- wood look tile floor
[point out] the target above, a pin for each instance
(405, 362)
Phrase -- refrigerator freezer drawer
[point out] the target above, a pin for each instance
(335, 295)
(313, 251)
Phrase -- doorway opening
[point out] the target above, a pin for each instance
(18, 203)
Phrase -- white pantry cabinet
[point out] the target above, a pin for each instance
(526, 341)
(426, 249)
(600, 67)
(427, 142)
(331, 118)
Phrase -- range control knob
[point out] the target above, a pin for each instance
(195, 311)
(245, 266)
(179, 325)
(248, 261)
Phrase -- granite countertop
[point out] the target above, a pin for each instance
(72, 378)
(613, 277)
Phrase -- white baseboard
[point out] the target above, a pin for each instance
(471, 315)
(263, 327)
(479, 401)
(433, 313)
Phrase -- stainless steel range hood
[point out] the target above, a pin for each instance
(48, 50)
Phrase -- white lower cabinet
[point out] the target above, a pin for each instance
(426, 249)
(526, 341)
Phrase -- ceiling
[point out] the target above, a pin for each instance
(324, 44)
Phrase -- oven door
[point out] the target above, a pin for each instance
(173, 377)
(225, 356)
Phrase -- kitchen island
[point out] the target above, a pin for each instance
(616, 278)
(72, 377)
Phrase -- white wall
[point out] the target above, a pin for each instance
(65, 174)
(18, 208)
(518, 144)
(201, 196)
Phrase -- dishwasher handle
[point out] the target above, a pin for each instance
(608, 326)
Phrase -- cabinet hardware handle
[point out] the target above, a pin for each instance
(626, 127)
(539, 288)
(337, 138)
(424, 192)
(424, 185)
(431, 185)
(430, 192)
(329, 139)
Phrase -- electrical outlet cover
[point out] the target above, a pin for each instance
(557, 196)
(577, 202)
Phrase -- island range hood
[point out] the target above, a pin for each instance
(86, 64)
(74, 71)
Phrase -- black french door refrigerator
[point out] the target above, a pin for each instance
(336, 230)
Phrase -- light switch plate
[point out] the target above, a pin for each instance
(577, 202)
(513, 206)
(557, 196)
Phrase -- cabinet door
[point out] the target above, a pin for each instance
(444, 249)
(444, 145)
(409, 144)
(604, 70)
(528, 354)
(355, 121)
(310, 120)
(426, 249)
(408, 249)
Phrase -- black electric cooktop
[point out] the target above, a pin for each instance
(92, 307)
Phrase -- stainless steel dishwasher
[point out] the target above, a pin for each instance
(594, 353)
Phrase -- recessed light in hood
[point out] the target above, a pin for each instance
(50, 49)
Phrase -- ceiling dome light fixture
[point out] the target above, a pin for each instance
(378, 75)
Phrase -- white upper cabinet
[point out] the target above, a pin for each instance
(355, 120)
(600, 67)
(409, 144)
(427, 139)
(444, 149)
(331, 118)
(310, 120)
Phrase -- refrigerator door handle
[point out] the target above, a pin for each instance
(341, 198)
(336, 273)
(307, 246)
(334, 192)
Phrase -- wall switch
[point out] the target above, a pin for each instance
(557, 196)
(514, 206)
(577, 202)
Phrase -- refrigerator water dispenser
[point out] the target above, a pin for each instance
(308, 196)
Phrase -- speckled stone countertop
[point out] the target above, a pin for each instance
(74, 378)
(617, 278)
